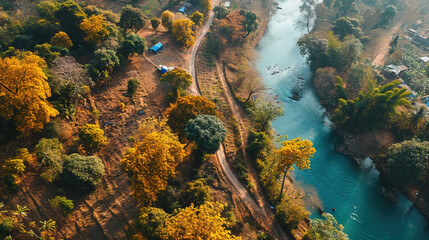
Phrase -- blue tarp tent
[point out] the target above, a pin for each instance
(182, 10)
(155, 48)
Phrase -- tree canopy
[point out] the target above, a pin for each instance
(61, 39)
(83, 172)
(24, 92)
(132, 18)
(197, 18)
(182, 31)
(152, 160)
(207, 131)
(203, 222)
(95, 29)
(407, 162)
(179, 79)
(167, 18)
(327, 228)
(187, 108)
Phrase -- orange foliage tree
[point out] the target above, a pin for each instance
(61, 39)
(152, 160)
(203, 222)
(95, 28)
(231, 27)
(187, 108)
(295, 151)
(24, 92)
(182, 31)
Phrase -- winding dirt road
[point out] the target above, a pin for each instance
(264, 215)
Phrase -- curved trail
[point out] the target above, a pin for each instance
(264, 215)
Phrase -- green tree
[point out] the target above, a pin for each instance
(91, 136)
(133, 43)
(50, 153)
(83, 172)
(104, 63)
(263, 112)
(70, 15)
(407, 162)
(371, 109)
(132, 18)
(62, 204)
(207, 131)
(155, 22)
(46, 10)
(196, 192)
(325, 229)
(249, 24)
(345, 26)
(151, 221)
(132, 86)
(197, 18)
(386, 17)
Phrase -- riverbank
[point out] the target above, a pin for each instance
(362, 145)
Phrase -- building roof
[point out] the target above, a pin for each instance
(393, 69)
(227, 4)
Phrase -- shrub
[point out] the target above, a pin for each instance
(91, 136)
(207, 131)
(83, 172)
(49, 153)
(196, 192)
(121, 106)
(133, 85)
(62, 204)
(151, 221)
(290, 213)
(6, 226)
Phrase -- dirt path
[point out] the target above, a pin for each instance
(383, 45)
(264, 206)
(264, 214)
(195, 89)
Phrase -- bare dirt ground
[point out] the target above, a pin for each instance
(380, 51)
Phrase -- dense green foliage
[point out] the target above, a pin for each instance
(407, 162)
(207, 131)
(263, 112)
(50, 153)
(345, 26)
(133, 43)
(151, 221)
(62, 204)
(132, 86)
(196, 192)
(83, 172)
(132, 18)
(371, 109)
(325, 229)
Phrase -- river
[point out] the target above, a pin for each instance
(354, 191)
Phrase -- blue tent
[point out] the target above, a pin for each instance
(182, 10)
(155, 48)
(164, 69)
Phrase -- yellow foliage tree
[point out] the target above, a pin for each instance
(203, 222)
(95, 28)
(167, 18)
(23, 92)
(182, 31)
(61, 39)
(295, 151)
(152, 160)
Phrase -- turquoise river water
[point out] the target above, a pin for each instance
(354, 191)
